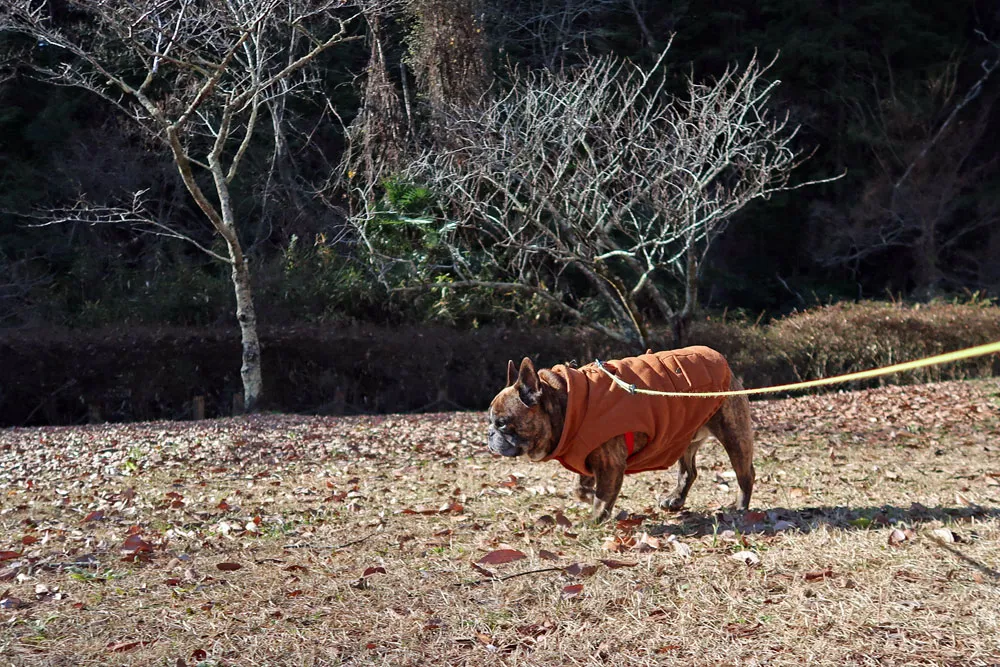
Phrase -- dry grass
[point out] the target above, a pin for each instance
(837, 474)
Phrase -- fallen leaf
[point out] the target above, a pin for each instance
(747, 557)
(96, 515)
(681, 549)
(615, 564)
(28, 540)
(897, 536)
(378, 569)
(944, 534)
(510, 483)
(501, 556)
(816, 575)
(571, 591)
(228, 567)
(9, 555)
(135, 543)
(580, 570)
(547, 555)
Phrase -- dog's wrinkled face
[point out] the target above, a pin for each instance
(518, 423)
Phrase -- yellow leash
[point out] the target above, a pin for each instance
(968, 353)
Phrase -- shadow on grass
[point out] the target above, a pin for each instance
(808, 519)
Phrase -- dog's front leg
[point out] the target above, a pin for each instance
(585, 488)
(608, 465)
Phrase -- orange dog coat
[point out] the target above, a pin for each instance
(597, 410)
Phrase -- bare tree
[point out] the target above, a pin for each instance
(546, 32)
(198, 78)
(598, 175)
(915, 211)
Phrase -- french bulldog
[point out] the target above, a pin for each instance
(602, 432)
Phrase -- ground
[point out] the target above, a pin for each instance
(400, 540)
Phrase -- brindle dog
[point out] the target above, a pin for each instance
(527, 417)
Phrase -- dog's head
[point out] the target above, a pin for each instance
(519, 419)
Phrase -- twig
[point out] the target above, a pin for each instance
(509, 576)
(332, 547)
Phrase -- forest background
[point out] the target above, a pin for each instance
(351, 239)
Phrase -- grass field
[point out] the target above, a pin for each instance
(874, 539)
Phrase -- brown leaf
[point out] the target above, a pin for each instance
(96, 515)
(816, 575)
(510, 483)
(28, 540)
(9, 555)
(897, 536)
(377, 569)
(135, 543)
(615, 564)
(501, 556)
(228, 567)
(629, 524)
(563, 521)
(580, 570)
(547, 555)
(571, 591)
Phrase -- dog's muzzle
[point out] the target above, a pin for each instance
(502, 444)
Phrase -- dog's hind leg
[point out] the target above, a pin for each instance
(731, 425)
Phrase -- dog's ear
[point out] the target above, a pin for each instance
(528, 383)
(511, 372)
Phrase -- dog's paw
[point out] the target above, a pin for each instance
(672, 503)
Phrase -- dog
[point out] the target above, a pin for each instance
(602, 432)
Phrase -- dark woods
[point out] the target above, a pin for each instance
(408, 173)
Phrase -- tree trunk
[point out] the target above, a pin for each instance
(253, 383)
(926, 273)
(683, 319)
(617, 300)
